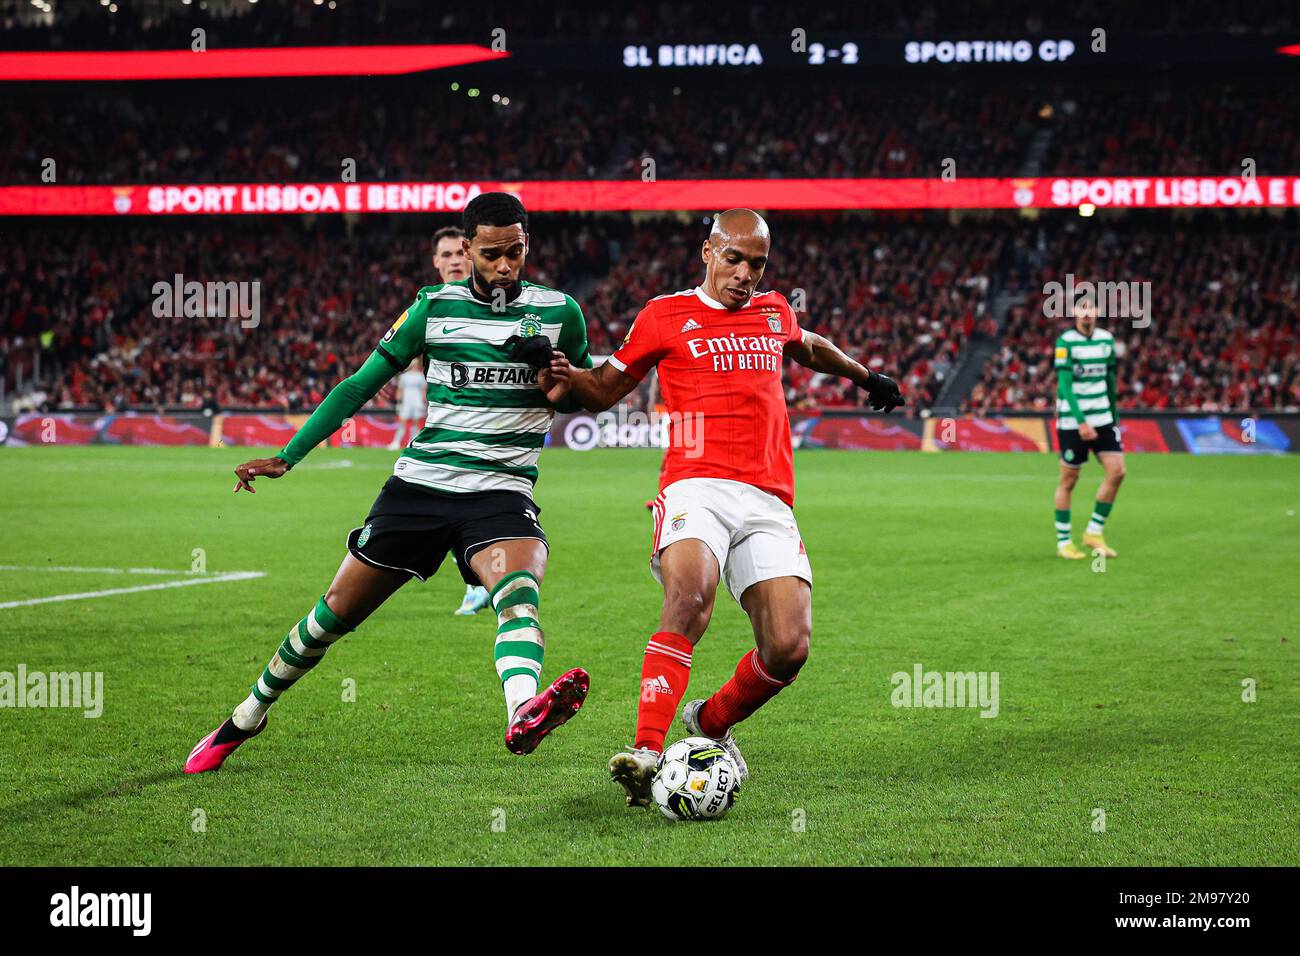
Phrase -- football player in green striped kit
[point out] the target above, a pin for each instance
(1086, 419)
(463, 484)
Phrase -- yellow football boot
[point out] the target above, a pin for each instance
(1069, 552)
(1096, 542)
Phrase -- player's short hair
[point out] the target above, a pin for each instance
(448, 232)
(494, 209)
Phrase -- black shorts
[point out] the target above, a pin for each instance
(410, 528)
(1074, 450)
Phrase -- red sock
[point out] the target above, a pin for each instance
(749, 689)
(665, 672)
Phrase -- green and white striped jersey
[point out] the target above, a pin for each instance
(487, 418)
(1085, 366)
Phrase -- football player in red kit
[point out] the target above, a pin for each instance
(724, 510)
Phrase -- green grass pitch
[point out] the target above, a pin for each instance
(1120, 690)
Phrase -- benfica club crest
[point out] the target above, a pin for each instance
(774, 321)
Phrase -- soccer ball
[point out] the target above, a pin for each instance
(696, 780)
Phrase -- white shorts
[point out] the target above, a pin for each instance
(753, 534)
(411, 410)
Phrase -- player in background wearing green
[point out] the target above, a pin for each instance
(463, 484)
(1086, 418)
(452, 263)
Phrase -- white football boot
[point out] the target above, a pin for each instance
(476, 598)
(635, 770)
(691, 718)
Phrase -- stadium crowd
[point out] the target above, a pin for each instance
(903, 298)
(902, 294)
(84, 300)
(422, 130)
(905, 293)
(1224, 327)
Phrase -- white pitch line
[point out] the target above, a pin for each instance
(77, 569)
(218, 579)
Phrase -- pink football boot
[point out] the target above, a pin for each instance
(211, 752)
(538, 717)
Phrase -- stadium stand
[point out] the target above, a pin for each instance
(808, 129)
(1225, 329)
(901, 295)
(908, 293)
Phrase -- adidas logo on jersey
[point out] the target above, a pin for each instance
(690, 326)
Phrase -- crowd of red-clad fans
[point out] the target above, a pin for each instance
(1224, 328)
(903, 298)
(82, 303)
(905, 295)
(581, 125)
(583, 129)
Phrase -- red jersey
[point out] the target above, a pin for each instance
(720, 377)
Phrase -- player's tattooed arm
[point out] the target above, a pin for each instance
(822, 355)
(595, 389)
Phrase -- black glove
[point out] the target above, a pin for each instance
(882, 392)
(535, 350)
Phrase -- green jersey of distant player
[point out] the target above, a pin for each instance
(1086, 423)
(1085, 378)
(487, 418)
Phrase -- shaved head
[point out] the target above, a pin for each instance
(735, 255)
(739, 223)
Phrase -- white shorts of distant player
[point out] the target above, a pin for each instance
(412, 410)
(753, 534)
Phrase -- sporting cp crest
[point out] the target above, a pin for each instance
(530, 325)
(363, 537)
(774, 321)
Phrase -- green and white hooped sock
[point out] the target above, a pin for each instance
(520, 643)
(1062, 527)
(1100, 512)
(301, 650)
